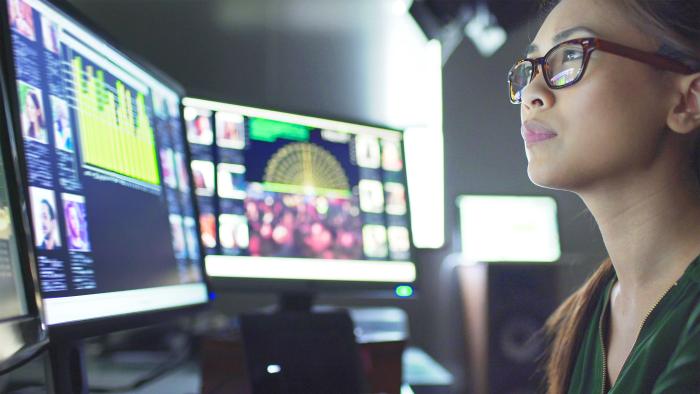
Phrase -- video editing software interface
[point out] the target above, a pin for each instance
(111, 208)
(285, 196)
(13, 301)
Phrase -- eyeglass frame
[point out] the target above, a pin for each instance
(590, 44)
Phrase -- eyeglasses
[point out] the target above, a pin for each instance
(565, 64)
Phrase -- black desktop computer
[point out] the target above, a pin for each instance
(102, 155)
(300, 206)
(299, 203)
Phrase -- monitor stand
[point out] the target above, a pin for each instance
(68, 373)
(295, 302)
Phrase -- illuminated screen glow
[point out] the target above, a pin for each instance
(509, 228)
(283, 196)
(113, 219)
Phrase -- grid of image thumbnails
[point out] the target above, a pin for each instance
(273, 189)
(89, 124)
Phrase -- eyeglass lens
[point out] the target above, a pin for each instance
(564, 66)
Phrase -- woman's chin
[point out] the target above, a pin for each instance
(549, 178)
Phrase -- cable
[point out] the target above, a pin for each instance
(160, 370)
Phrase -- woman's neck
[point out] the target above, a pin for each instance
(651, 227)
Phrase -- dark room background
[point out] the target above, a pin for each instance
(333, 58)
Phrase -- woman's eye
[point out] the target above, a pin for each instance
(572, 55)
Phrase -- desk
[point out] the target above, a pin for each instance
(421, 374)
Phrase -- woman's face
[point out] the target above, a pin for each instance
(32, 110)
(47, 222)
(74, 221)
(611, 123)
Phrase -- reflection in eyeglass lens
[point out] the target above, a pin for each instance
(564, 77)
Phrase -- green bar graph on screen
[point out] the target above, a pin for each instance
(115, 131)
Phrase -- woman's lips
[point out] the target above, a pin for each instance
(534, 132)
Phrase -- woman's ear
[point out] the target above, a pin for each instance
(684, 117)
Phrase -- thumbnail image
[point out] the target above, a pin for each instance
(367, 152)
(395, 198)
(33, 118)
(167, 164)
(290, 225)
(195, 273)
(47, 235)
(231, 181)
(391, 155)
(178, 236)
(233, 231)
(49, 30)
(173, 106)
(371, 196)
(203, 174)
(399, 242)
(230, 130)
(76, 222)
(207, 222)
(165, 106)
(191, 238)
(374, 241)
(22, 18)
(62, 131)
(183, 179)
(199, 129)
(159, 105)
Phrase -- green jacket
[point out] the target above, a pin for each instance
(665, 358)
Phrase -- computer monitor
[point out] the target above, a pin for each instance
(299, 201)
(504, 228)
(101, 149)
(22, 332)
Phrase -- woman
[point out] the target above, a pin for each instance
(49, 239)
(61, 127)
(34, 117)
(74, 223)
(611, 112)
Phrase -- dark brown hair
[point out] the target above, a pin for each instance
(676, 26)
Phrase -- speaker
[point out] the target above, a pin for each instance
(505, 307)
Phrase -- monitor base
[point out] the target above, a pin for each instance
(68, 367)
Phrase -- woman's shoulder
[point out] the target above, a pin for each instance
(693, 275)
(687, 301)
(680, 374)
(693, 272)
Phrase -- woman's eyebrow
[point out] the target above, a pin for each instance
(530, 50)
(562, 36)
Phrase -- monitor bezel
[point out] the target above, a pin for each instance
(361, 289)
(92, 327)
(29, 326)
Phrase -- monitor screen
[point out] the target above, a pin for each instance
(509, 228)
(283, 196)
(113, 217)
